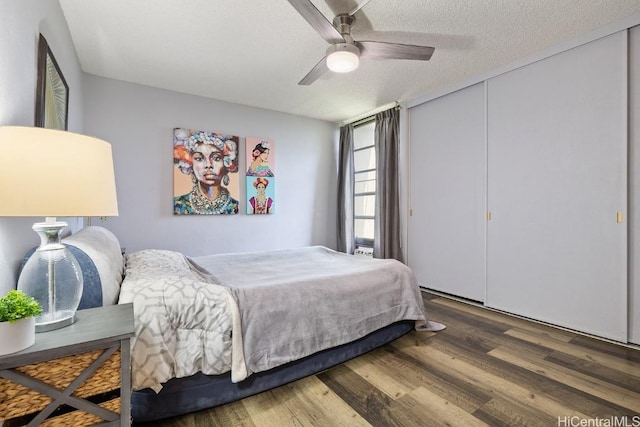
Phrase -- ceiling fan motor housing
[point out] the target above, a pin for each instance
(343, 22)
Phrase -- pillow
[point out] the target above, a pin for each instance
(103, 248)
(156, 262)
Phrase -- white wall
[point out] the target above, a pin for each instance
(138, 121)
(20, 24)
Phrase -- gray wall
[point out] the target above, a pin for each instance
(20, 24)
(138, 121)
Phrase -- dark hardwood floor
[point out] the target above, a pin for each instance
(486, 368)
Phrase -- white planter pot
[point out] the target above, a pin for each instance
(18, 335)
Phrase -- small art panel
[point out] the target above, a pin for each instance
(205, 173)
(260, 176)
(260, 195)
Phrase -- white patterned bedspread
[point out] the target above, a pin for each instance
(182, 321)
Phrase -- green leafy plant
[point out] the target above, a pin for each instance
(17, 305)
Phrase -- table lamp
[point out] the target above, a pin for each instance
(53, 173)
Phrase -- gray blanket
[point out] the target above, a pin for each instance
(293, 303)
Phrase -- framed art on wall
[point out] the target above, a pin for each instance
(260, 176)
(205, 173)
(52, 91)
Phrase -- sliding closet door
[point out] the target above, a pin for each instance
(447, 193)
(634, 189)
(557, 156)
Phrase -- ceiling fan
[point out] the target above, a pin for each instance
(345, 53)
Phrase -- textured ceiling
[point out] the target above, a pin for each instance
(254, 52)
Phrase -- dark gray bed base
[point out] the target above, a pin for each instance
(184, 395)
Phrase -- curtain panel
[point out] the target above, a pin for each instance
(346, 186)
(387, 228)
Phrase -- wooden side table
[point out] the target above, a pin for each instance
(72, 375)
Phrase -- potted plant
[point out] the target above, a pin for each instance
(17, 321)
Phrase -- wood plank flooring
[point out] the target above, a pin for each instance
(485, 369)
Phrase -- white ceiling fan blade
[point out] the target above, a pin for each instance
(382, 50)
(317, 20)
(358, 7)
(315, 73)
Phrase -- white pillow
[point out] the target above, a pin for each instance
(103, 247)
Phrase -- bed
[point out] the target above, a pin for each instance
(214, 329)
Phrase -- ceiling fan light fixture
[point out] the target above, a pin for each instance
(343, 57)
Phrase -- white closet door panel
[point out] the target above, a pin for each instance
(447, 193)
(556, 180)
(634, 190)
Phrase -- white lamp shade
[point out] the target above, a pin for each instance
(53, 173)
(343, 58)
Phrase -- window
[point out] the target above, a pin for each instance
(364, 197)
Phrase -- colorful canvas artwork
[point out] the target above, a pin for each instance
(205, 175)
(260, 176)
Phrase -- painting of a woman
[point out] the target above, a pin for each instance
(261, 203)
(208, 158)
(259, 165)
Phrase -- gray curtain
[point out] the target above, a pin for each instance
(387, 228)
(346, 237)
